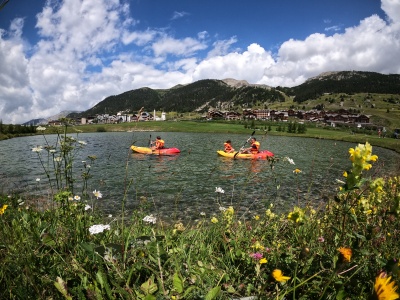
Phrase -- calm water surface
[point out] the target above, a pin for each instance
(184, 185)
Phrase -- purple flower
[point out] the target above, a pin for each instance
(256, 255)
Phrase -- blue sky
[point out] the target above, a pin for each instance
(71, 54)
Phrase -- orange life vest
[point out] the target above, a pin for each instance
(255, 147)
(160, 144)
(228, 147)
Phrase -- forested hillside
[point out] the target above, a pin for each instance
(206, 94)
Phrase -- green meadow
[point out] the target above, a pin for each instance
(59, 246)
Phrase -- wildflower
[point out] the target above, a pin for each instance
(70, 198)
(345, 174)
(77, 198)
(278, 275)
(37, 149)
(57, 159)
(296, 171)
(3, 209)
(150, 219)
(110, 216)
(384, 289)
(346, 253)
(256, 255)
(87, 207)
(221, 208)
(257, 217)
(94, 229)
(297, 215)
(219, 190)
(269, 214)
(82, 142)
(257, 246)
(289, 160)
(214, 220)
(263, 261)
(97, 194)
(321, 239)
(203, 214)
(37, 179)
(52, 150)
(179, 227)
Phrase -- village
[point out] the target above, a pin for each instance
(328, 118)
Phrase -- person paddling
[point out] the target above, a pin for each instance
(254, 148)
(159, 143)
(228, 147)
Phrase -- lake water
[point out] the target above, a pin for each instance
(183, 186)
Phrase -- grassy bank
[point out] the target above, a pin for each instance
(60, 246)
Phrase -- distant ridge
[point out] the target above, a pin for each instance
(42, 121)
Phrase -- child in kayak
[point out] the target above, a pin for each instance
(228, 147)
(159, 144)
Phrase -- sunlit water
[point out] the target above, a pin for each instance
(183, 186)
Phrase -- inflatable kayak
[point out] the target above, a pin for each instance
(147, 150)
(260, 155)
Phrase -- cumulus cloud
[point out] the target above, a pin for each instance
(88, 50)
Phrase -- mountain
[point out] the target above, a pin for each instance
(232, 94)
(197, 96)
(62, 114)
(36, 122)
(348, 82)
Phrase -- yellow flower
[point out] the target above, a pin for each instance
(345, 174)
(296, 171)
(346, 253)
(384, 289)
(297, 215)
(179, 227)
(3, 209)
(214, 220)
(278, 275)
(257, 246)
(262, 261)
(256, 217)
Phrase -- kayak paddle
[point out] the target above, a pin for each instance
(244, 144)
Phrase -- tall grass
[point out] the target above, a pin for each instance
(345, 249)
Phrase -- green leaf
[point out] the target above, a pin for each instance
(178, 284)
(213, 293)
(61, 287)
(341, 295)
(149, 287)
(361, 237)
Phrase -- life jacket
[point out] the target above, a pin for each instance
(160, 144)
(228, 147)
(255, 147)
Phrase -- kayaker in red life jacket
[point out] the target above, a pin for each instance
(159, 144)
(254, 148)
(228, 147)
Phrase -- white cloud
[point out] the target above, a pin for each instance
(185, 47)
(179, 14)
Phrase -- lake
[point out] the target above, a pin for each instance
(183, 186)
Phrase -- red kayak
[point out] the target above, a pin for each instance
(263, 154)
(147, 150)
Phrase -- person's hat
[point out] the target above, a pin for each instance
(158, 138)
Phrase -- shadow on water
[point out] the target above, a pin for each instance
(183, 186)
